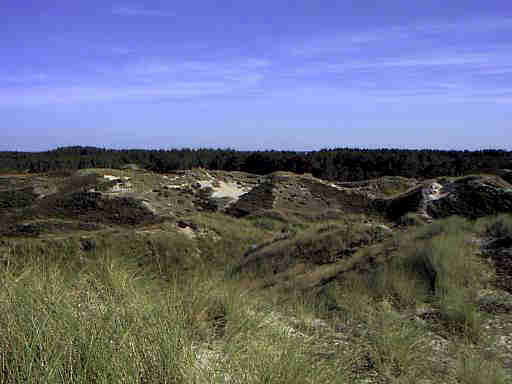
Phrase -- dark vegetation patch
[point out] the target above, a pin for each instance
(350, 202)
(73, 201)
(507, 177)
(495, 304)
(95, 207)
(399, 206)
(502, 260)
(474, 197)
(259, 198)
(498, 248)
(471, 197)
(49, 226)
(17, 198)
(497, 226)
(78, 183)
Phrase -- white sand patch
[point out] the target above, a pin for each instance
(187, 231)
(222, 189)
(336, 187)
(205, 184)
(178, 186)
(433, 192)
(149, 207)
(231, 190)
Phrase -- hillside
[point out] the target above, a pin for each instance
(203, 276)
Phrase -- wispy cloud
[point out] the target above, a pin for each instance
(144, 80)
(504, 70)
(436, 79)
(132, 10)
(339, 42)
(98, 93)
(24, 78)
(490, 61)
(442, 65)
(399, 34)
(475, 25)
(402, 70)
(122, 51)
(367, 95)
(155, 68)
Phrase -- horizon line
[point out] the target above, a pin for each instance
(348, 148)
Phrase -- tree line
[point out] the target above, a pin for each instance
(344, 164)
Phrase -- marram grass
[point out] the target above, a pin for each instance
(107, 319)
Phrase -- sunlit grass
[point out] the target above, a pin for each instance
(142, 308)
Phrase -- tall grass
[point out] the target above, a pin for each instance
(437, 266)
(100, 325)
(397, 348)
(153, 310)
(106, 319)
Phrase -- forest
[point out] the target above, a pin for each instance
(343, 164)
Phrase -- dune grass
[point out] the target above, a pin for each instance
(107, 320)
(139, 308)
(99, 324)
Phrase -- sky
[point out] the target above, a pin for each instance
(254, 75)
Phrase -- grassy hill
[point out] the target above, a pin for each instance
(217, 277)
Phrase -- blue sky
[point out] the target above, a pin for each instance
(298, 75)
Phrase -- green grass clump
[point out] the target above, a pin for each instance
(454, 225)
(397, 348)
(448, 264)
(437, 266)
(100, 325)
